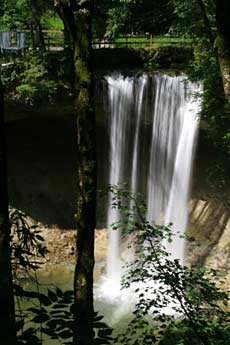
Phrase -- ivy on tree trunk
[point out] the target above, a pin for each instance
(7, 313)
(77, 16)
(86, 201)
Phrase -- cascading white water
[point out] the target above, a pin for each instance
(177, 212)
(174, 130)
(120, 103)
(165, 105)
(140, 109)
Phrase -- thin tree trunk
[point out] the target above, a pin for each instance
(37, 35)
(86, 198)
(221, 46)
(224, 61)
(7, 313)
(206, 21)
(38, 38)
(66, 16)
(77, 17)
(222, 43)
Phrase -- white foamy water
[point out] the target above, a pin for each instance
(152, 129)
(174, 132)
(120, 104)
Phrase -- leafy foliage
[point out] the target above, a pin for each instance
(18, 14)
(51, 21)
(205, 67)
(215, 110)
(189, 18)
(54, 318)
(136, 16)
(172, 298)
(51, 313)
(28, 79)
(35, 84)
(27, 245)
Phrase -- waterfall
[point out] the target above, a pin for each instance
(140, 109)
(159, 115)
(176, 212)
(174, 130)
(120, 104)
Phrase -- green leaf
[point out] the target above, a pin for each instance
(65, 334)
(100, 325)
(52, 324)
(59, 306)
(40, 318)
(44, 300)
(105, 332)
(99, 341)
(98, 318)
(48, 331)
(40, 238)
(52, 296)
(35, 310)
(19, 325)
(59, 292)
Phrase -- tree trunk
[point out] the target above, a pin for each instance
(66, 16)
(86, 202)
(78, 16)
(222, 43)
(206, 21)
(36, 28)
(7, 313)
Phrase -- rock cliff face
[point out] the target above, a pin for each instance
(41, 169)
(209, 211)
(210, 228)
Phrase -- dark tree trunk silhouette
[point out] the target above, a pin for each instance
(222, 43)
(206, 21)
(7, 313)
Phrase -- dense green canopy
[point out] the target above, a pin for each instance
(137, 16)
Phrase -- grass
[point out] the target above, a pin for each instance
(51, 22)
(140, 42)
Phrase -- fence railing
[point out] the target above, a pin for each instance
(139, 42)
(54, 41)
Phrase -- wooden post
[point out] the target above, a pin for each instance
(150, 40)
